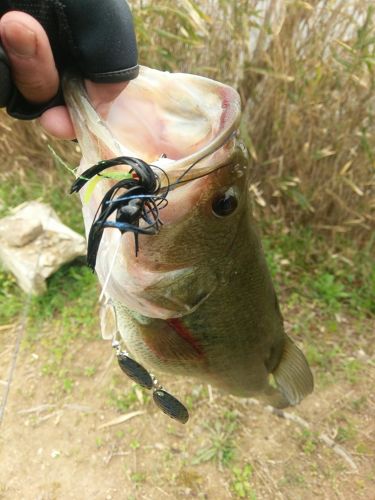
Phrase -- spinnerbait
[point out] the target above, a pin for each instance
(140, 199)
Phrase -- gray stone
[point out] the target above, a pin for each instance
(34, 243)
(17, 232)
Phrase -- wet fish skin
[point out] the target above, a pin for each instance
(198, 300)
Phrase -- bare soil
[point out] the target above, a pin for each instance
(53, 444)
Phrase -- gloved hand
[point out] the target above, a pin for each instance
(95, 38)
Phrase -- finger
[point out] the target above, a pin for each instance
(103, 94)
(32, 64)
(56, 121)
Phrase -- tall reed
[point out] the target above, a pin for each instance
(305, 71)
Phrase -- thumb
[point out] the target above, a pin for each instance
(56, 121)
(32, 64)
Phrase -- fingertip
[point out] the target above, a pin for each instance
(19, 16)
(57, 122)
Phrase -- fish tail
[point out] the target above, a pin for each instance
(274, 397)
(293, 376)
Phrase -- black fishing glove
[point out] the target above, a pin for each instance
(94, 37)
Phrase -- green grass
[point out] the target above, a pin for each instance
(71, 296)
(322, 357)
(58, 322)
(308, 441)
(292, 477)
(138, 477)
(62, 319)
(221, 445)
(241, 483)
(40, 184)
(353, 369)
(11, 298)
(334, 278)
(346, 433)
(70, 300)
(123, 398)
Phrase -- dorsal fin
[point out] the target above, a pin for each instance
(293, 375)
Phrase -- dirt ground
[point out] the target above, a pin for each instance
(58, 439)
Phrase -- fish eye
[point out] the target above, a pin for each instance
(225, 203)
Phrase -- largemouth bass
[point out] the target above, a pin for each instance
(194, 295)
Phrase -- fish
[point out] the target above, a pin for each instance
(183, 272)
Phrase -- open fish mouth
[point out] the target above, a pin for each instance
(161, 132)
(172, 120)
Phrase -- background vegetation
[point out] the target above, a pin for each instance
(306, 75)
(305, 72)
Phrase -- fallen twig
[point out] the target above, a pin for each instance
(36, 409)
(288, 416)
(121, 419)
(7, 327)
(57, 414)
(210, 394)
(115, 454)
(339, 450)
(78, 407)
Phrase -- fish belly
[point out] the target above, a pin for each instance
(161, 345)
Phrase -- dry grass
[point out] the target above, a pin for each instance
(24, 147)
(305, 72)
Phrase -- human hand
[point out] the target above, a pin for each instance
(101, 47)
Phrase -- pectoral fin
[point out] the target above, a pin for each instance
(293, 375)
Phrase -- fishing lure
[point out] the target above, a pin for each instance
(170, 405)
(133, 198)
